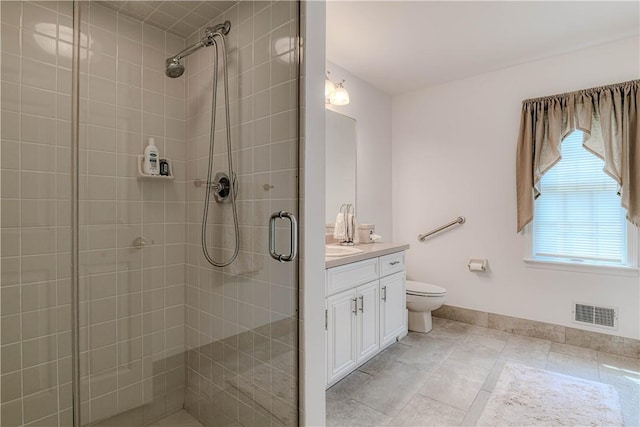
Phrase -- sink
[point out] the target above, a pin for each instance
(337, 251)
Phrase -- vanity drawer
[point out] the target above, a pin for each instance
(391, 263)
(351, 275)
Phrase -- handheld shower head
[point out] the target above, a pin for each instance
(174, 67)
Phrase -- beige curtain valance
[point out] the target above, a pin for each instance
(608, 116)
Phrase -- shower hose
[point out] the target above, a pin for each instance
(232, 177)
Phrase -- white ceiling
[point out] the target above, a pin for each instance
(400, 46)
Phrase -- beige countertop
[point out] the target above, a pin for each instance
(371, 250)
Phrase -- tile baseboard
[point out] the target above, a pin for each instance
(621, 346)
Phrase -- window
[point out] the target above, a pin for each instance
(578, 218)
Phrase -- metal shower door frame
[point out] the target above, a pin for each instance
(75, 217)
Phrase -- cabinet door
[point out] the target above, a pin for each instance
(341, 339)
(368, 316)
(392, 307)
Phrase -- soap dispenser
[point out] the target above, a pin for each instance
(151, 166)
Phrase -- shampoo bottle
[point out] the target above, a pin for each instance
(151, 166)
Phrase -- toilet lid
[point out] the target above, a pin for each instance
(421, 288)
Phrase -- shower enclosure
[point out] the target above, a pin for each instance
(158, 328)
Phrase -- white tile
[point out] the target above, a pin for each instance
(10, 97)
(262, 22)
(102, 41)
(153, 80)
(37, 129)
(129, 122)
(129, 27)
(10, 67)
(38, 74)
(39, 47)
(102, 90)
(161, 19)
(175, 128)
(101, 138)
(153, 58)
(38, 102)
(10, 39)
(153, 37)
(101, 114)
(102, 17)
(153, 125)
(129, 73)
(129, 50)
(40, 19)
(174, 44)
(129, 96)
(179, 419)
(11, 11)
(37, 157)
(175, 88)
(102, 66)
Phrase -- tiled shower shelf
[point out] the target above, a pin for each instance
(142, 175)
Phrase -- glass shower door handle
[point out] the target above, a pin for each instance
(272, 236)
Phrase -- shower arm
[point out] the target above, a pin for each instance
(206, 41)
(188, 51)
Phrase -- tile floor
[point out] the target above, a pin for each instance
(446, 377)
(179, 419)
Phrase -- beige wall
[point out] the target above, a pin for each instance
(454, 150)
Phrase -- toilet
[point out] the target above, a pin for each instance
(422, 299)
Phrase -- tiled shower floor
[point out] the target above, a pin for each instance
(179, 419)
(448, 375)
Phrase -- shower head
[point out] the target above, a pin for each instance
(174, 67)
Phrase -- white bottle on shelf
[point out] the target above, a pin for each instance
(151, 159)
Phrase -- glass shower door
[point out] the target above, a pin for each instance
(161, 328)
(35, 310)
(242, 330)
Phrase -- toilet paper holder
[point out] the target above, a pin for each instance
(477, 264)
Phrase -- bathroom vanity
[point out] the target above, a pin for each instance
(365, 309)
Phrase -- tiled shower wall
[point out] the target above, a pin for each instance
(135, 336)
(241, 320)
(132, 310)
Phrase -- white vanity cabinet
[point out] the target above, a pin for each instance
(365, 311)
(341, 327)
(393, 315)
(353, 322)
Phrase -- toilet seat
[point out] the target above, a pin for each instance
(424, 289)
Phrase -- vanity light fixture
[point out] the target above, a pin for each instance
(340, 96)
(335, 94)
(329, 88)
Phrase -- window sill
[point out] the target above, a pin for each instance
(610, 270)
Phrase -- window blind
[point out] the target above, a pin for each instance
(578, 216)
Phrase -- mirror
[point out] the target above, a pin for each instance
(340, 163)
